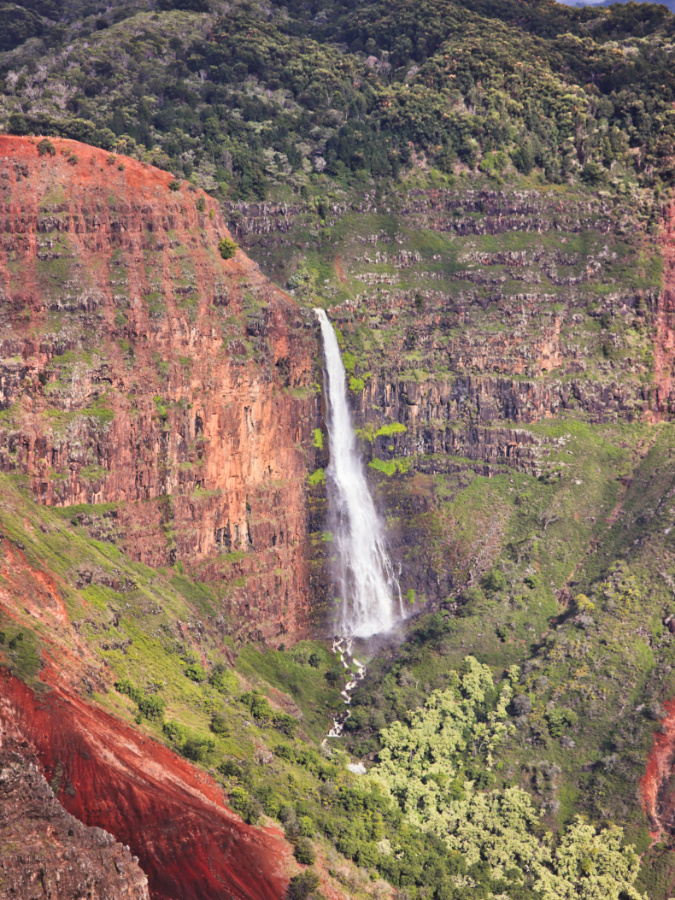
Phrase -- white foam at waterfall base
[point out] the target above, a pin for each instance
(370, 593)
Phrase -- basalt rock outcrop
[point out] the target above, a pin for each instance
(172, 815)
(165, 395)
(48, 852)
(141, 370)
(557, 317)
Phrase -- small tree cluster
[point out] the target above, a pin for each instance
(46, 148)
(227, 247)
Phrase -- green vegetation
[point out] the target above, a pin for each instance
(149, 706)
(392, 466)
(391, 429)
(46, 148)
(227, 247)
(424, 765)
(469, 788)
(22, 653)
(253, 99)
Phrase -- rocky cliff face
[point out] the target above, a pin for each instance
(166, 396)
(140, 368)
(170, 813)
(476, 321)
(47, 851)
(664, 349)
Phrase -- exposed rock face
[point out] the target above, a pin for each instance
(656, 790)
(481, 320)
(664, 350)
(45, 851)
(139, 367)
(144, 373)
(171, 814)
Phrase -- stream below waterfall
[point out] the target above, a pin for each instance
(343, 647)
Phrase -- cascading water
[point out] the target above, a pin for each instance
(370, 593)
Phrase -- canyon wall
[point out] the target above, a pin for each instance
(477, 322)
(140, 368)
(166, 396)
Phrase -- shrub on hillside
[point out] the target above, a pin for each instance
(227, 247)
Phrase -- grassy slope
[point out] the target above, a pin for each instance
(609, 537)
(606, 670)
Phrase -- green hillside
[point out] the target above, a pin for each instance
(256, 100)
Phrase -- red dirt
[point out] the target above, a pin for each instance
(658, 800)
(339, 270)
(171, 814)
(664, 347)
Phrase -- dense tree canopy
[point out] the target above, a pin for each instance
(423, 766)
(254, 97)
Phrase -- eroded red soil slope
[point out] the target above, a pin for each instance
(46, 851)
(170, 814)
(657, 789)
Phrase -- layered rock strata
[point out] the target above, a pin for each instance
(140, 368)
(475, 323)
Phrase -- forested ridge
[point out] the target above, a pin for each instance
(257, 96)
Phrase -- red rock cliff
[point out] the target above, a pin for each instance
(140, 368)
(664, 347)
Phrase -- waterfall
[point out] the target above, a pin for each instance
(363, 570)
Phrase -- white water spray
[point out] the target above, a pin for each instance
(363, 569)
